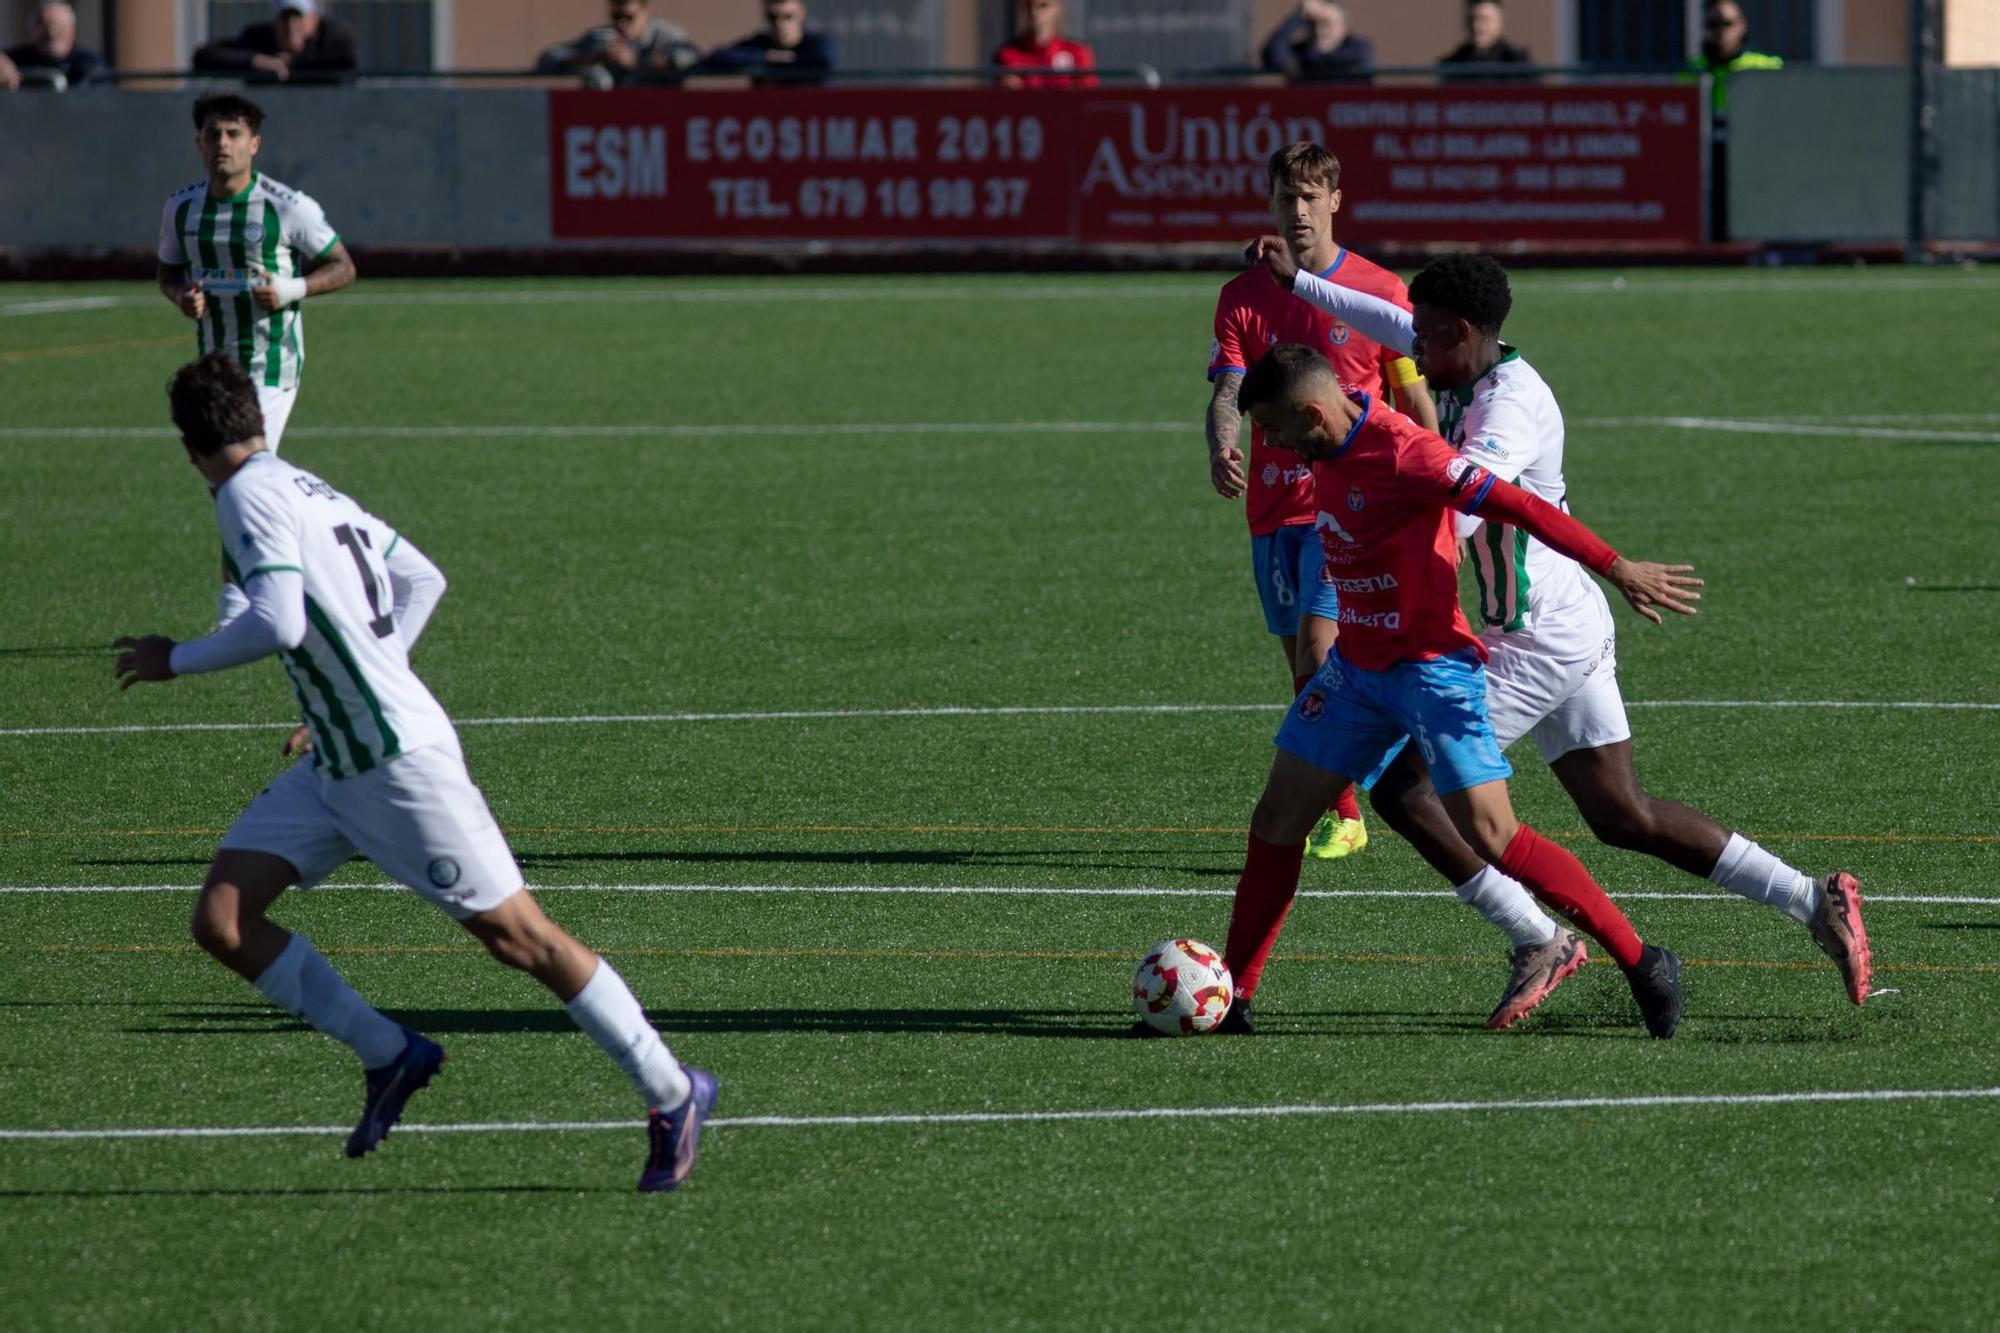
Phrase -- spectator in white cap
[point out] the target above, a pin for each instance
(299, 44)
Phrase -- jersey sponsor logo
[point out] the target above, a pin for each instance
(1371, 583)
(1382, 620)
(1214, 350)
(1339, 334)
(443, 872)
(1273, 475)
(1327, 522)
(1355, 499)
(1312, 706)
(1489, 445)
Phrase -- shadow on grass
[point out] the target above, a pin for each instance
(308, 1192)
(1068, 1024)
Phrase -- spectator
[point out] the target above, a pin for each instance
(1314, 43)
(1485, 40)
(784, 52)
(634, 47)
(52, 58)
(1039, 44)
(298, 45)
(1724, 53)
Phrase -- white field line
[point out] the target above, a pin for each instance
(795, 292)
(1049, 710)
(1813, 427)
(1279, 1111)
(1817, 429)
(644, 431)
(994, 891)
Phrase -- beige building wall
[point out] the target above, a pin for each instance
(1972, 32)
(499, 34)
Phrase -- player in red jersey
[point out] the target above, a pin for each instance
(1408, 667)
(1251, 317)
(1039, 44)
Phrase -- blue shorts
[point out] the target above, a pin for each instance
(1354, 722)
(1286, 563)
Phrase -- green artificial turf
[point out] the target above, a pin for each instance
(903, 505)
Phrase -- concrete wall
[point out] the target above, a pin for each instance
(393, 167)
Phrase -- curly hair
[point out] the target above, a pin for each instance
(214, 404)
(1473, 287)
(228, 106)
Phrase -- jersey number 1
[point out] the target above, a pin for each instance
(383, 624)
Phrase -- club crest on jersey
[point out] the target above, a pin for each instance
(1312, 707)
(1338, 335)
(1355, 500)
(253, 232)
(443, 872)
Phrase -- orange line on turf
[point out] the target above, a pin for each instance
(1045, 955)
(88, 349)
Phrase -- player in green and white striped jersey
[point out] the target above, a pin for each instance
(340, 598)
(240, 251)
(1552, 662)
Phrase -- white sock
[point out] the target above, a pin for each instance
(607, 1010)
(303, 984)
(1499, 898)
(1749, 871)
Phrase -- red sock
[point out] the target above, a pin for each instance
(1344, 806)
(1560, 880)
(1263, 897)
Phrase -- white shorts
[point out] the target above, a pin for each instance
(277, 407)
(419, 817)
(1565, 704)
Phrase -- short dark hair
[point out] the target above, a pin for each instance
(1282, 376)
(214, 404)
(228, 106)
(1473, 287)
(1301, 164)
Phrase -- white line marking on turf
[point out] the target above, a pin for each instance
(1822, 426)
(64, 305)
(995, 890)
(998, 710)
(1203, 289)
(1821, 429)
(1278, 1111)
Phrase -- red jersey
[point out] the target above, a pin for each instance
(1060, 53)
(1253, 315)
(1391, 551)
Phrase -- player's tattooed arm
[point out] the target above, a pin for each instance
(1225, 428)
(188, 296)
(332, 273)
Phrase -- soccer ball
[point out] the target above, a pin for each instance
(1181, 988)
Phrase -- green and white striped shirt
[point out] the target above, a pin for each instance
(1507, 421)
(270, 226)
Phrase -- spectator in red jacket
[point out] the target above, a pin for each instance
(1039, 44)
(299, 45)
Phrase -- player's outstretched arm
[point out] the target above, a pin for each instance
(1644, 584)
(1378, 320)
(275, 620)
(1225, 429)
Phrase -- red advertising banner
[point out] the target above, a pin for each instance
(1488, 164)
(805, 164)
(1483, 164)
